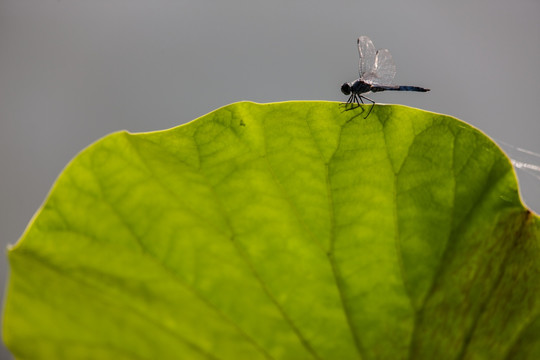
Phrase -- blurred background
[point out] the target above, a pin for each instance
(72, 72)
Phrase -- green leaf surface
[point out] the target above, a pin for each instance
(292, 230)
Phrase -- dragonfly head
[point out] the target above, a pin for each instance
(346, 89)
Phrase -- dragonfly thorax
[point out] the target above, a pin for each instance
(359, 86)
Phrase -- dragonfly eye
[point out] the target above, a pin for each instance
(346, 89)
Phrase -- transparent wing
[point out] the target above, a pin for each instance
(384, 69)
(367, 54)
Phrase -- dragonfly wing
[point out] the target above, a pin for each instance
(384, 68)
(367, 54)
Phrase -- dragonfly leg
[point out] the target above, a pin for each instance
(355, 100)
(372, 104)
(351, 100)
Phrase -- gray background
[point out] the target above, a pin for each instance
(73, 71)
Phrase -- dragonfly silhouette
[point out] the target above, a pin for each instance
(377, 71)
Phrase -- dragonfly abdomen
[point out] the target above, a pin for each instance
(376, 88)
(413, 88)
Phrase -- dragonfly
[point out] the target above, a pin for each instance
(377, 70)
